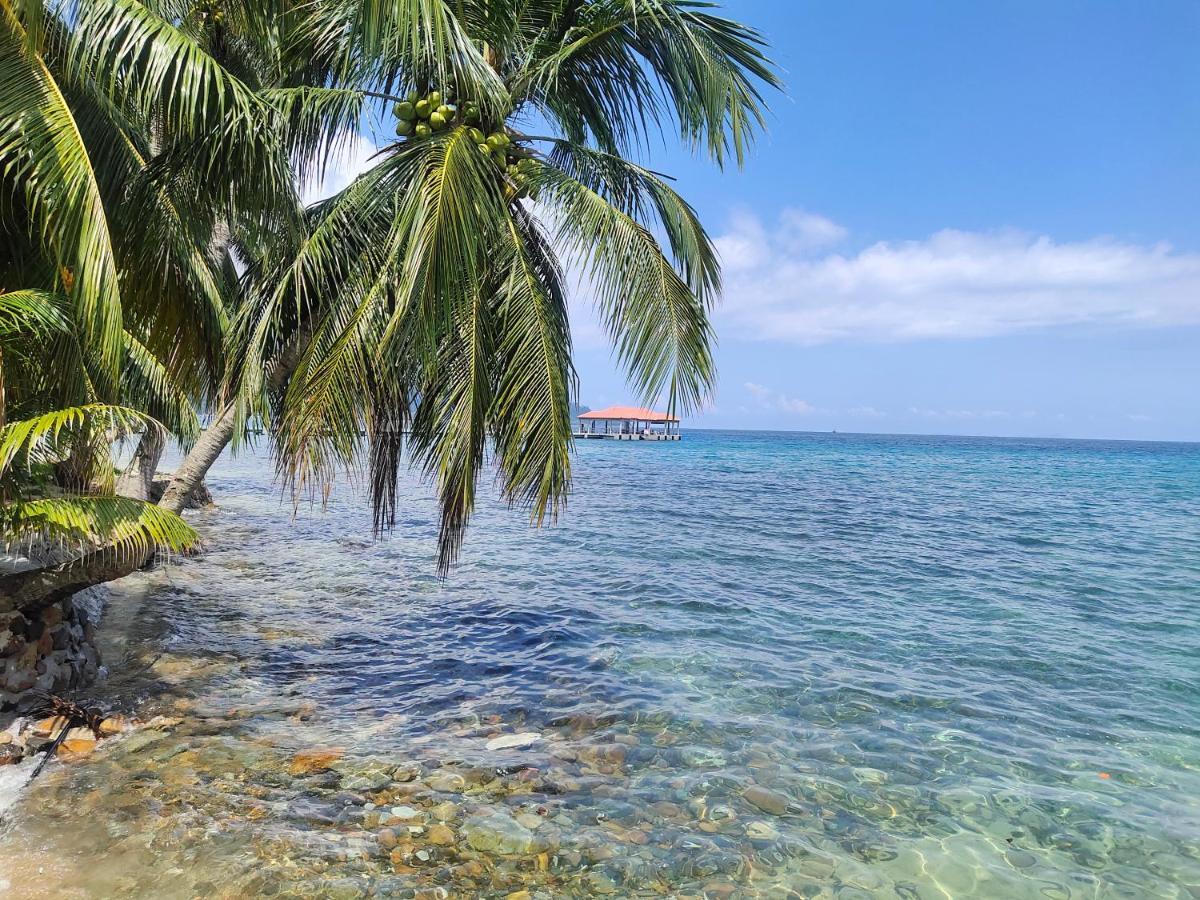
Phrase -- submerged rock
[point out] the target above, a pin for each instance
(502, 834)
(767, 800)
(513, 741)
(317, 759)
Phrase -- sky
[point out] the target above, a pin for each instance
(964, 218)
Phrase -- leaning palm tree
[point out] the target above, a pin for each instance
(426, 307)
(118, 172)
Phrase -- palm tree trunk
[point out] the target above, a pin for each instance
(199, 460)
(217, 435)
(138, 477)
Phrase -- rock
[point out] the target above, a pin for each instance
(761, 831)
(532, 821)
(446, 811)
(601, 755)
(369, 780)
(78, 742)
(513, 741)
(598, 881)
(767, 800)
(10, 754)
(200, 498)
(343, 889)
(317, 759)
(48, 728)
(407, 815)
(116, 724)
(448, 783)
(441, 835)
(387, 839)
(500, 833)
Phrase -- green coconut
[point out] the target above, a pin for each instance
(446, 111)
(424, 109)
(437, 121)
(496, 141)
(404, 128)
(477, 136)
(405, 110)
(424, 131)
(484, 149)
(412, 97)
(434, 98)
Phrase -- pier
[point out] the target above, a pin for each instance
(628, 423)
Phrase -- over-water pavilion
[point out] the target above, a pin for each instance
(628, 423)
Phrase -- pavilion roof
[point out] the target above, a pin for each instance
(629, 412)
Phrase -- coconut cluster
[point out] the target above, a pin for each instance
(418, 116)
(211, 12)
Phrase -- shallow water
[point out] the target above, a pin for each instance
(759, 665)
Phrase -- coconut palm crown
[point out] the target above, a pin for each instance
(426, 306)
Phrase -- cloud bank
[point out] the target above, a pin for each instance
(785, 283)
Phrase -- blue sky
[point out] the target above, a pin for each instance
(975, 218)
(965, 218)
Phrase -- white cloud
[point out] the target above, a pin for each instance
(768, 398)
(747, 246)
(354, 159)
(952, 284)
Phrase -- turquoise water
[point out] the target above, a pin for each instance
(968, 666)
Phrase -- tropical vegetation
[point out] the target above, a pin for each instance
(157, 265)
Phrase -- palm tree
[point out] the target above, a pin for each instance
(120, 164)
(426, 306)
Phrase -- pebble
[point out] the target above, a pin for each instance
(448, 783)
(441, 835)
(767, 800)
(320, 759)
(446, 811)
(761, 831)
(513, 741)
(407, 814)
(500, 833)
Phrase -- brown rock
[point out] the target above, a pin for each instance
(317, 759)
(767, 800)
(387, 839)
(78, 742)
(441, 835)
(117, 724)
(49, 728)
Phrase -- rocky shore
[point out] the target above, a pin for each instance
(47, 651)
(507, 812)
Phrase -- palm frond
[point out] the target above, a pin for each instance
(120, 525)
(26, 437)
(661, 330)
(43, 152)
(147, 383)
(535, 382)
(33, 313)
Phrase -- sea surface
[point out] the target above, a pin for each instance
(741, 665)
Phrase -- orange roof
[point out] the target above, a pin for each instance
(629, 412)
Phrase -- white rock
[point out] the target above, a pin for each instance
(513, 741)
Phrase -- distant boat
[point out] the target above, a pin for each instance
(628, 423)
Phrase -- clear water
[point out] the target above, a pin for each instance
(969, 666)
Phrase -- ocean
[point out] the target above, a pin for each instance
(746, 664)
